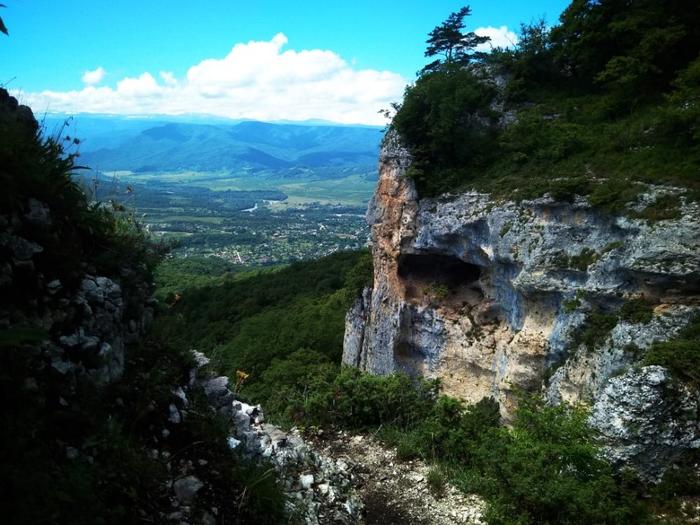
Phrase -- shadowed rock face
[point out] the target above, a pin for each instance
(438, 269)
(489, 295)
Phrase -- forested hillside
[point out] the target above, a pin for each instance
(274, 325)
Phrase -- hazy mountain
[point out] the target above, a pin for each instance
(145, 145)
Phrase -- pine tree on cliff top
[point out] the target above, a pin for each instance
(449, 41)
(2, 24)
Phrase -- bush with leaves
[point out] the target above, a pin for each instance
(547, 469)
(447, 122)
(79, 235)
(681, 355)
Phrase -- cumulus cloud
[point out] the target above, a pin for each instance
(500, 37)
(255, 80)
(94, 77)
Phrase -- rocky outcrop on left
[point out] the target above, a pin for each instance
(319, 489)
(57, 295)
(84, 325)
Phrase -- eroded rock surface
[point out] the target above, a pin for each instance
(646, 420)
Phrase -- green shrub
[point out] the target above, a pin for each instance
(439, 291)
(584, 259)
(437, 482)
(637, 310)
(680, 481)
(570, 305)
(594, 330)
(358, 400)
(663, 208)
(579, 262)
(680, 355)
(547, 470)
(570, 116)
(447, 122)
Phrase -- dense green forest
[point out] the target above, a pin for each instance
(269, 322)
(606, 98)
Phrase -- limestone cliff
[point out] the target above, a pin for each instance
(491, 297)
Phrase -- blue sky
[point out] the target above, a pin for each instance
(365, 51)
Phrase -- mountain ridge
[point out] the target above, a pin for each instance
(145, 145)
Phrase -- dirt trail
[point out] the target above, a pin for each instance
(394, 492)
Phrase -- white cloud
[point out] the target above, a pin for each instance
(168, 78)
(255, 80)
(500, 37)
(94, 77)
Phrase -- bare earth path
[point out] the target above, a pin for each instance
(394, 492)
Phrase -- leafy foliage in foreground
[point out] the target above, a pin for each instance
(115, 478)
(78, 234)
(607, 97)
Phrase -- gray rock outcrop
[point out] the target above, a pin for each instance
(646, 420)
(318, 489)
(492, 296)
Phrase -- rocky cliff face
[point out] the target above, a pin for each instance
(496, 296)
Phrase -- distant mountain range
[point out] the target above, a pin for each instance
(148, 145)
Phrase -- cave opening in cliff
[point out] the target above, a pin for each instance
(437, 268)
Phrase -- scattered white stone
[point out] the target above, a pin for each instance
(306, 481)
(180, 394)
(54, 286)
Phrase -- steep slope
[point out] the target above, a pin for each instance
(494, 297)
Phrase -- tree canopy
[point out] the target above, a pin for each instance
(451, 42)
(604, 100)
(2, 24)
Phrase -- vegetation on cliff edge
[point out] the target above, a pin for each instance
(606, 98)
